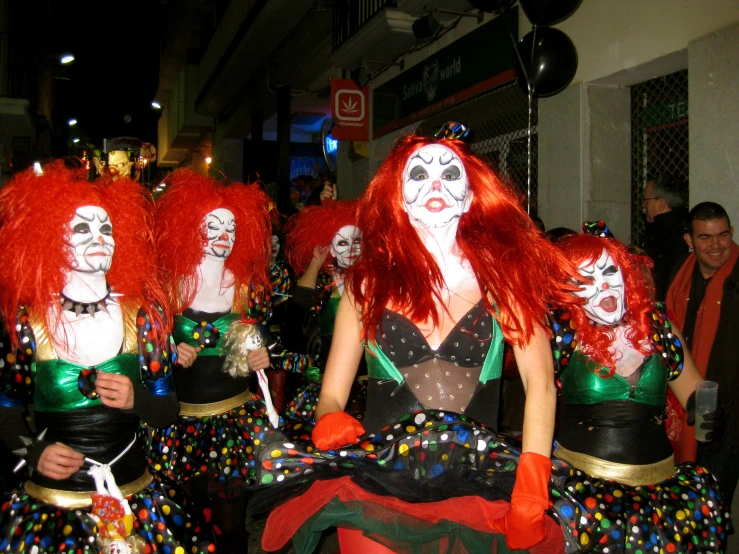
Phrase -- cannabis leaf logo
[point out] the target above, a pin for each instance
(350, 106)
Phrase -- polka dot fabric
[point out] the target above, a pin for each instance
(161, 519)
(220, 445)
(426, 455)
(679, 515)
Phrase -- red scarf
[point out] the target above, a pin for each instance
(706, 324)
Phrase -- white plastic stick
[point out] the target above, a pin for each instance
(274, 419)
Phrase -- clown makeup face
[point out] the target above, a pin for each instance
(605, 292)
(119, 547)
(119, 164)
(346, 246)
(91, 240)
(220, 228)
(435, 187)
(275, 251)
(254, 341)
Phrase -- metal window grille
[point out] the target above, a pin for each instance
(659, 141)
(498, 121)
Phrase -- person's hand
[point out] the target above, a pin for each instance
(116, 391)
(335, 430)
(320, 253)
(258, 359)
(713, 422)
(186, 354)
(523, 525)
(328, 192)
(58, 461)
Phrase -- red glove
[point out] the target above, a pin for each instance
(335, 430)
(523, 525)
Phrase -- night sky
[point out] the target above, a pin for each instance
(115, 73)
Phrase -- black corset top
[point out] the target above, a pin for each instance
(466, 345)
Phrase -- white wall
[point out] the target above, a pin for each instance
(619, 42)
(615, 35)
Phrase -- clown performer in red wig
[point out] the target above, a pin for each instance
(616, 353)
(451, 266)
(322, 243)
(214, 247)
(86, 343)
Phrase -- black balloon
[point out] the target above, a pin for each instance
(549, 12)
(492, 6)
(550, 59)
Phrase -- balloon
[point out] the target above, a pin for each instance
(492, 6)
(551, 61)
(549, 12)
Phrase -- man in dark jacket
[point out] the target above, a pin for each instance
(704, 298)
(665, 203)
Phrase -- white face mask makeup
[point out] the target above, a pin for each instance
(91, 240)
(275, 251)
(220, 227)
(605, 293)
(346, 246)
(435, 186)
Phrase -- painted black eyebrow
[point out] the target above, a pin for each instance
(585, 269)
(85, 218)
(604, 263)
(218, 218)
(420, 157)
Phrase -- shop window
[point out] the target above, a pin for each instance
(659, 138)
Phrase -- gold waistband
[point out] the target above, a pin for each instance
(632, 475)
(214, 408)
(80, 499)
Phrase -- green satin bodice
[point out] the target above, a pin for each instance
(57, 388)
(184, 331)
(328, 314)
(582, 385)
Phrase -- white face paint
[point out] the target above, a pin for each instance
(435, 186)
(346, 246)
(119, 547)
(91, 240)
(605, 293)
(254, 341)
(220, 227)
(275, 249)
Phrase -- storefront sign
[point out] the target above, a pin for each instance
(479, 61)
(349, 110)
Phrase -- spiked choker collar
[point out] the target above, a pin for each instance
(80, 308)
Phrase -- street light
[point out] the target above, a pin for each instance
(156, 105)
(72, 122)
(208, 160)
(67, 58)
(75, 140)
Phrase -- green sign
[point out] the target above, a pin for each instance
(479, 61)
(663, 114)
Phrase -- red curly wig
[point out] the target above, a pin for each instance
(596, 339)
(517, 269)
(34, 257)
(181, 236)
(316, 226)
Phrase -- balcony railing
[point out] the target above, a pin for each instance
(350, 15)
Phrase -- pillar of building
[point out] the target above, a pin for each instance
(713, 82)
(584, 158)
(284, 116)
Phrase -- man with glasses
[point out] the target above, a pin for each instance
(665, 205)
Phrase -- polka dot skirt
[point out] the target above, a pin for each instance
(161, 518)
